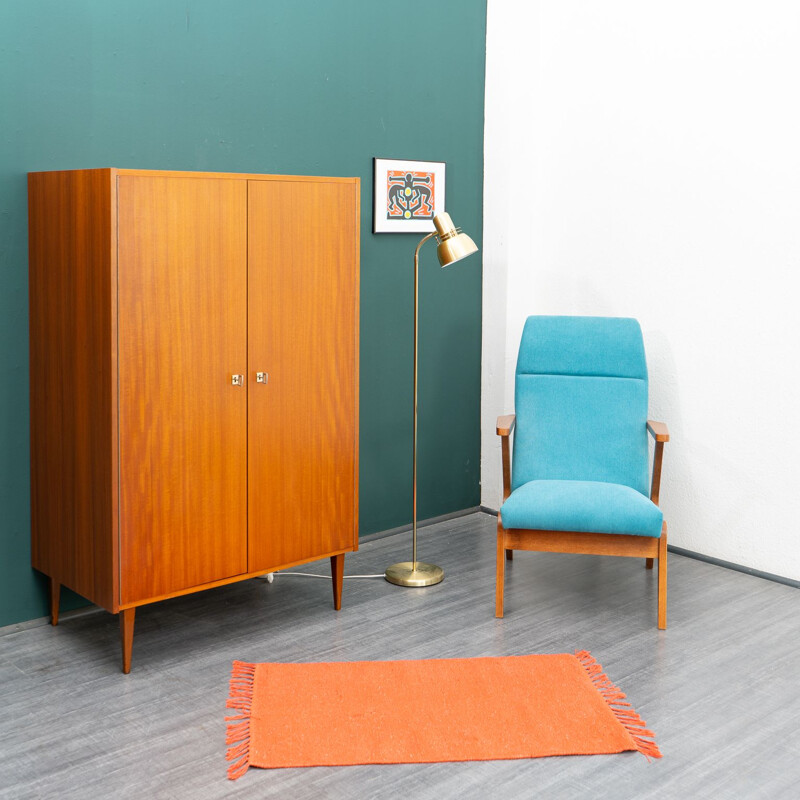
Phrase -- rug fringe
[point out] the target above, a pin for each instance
(238, 733)
(643, 738)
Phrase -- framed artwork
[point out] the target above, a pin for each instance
(407, 195)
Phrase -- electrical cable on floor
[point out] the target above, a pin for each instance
(269, 577)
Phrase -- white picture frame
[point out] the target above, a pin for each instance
(407, 195)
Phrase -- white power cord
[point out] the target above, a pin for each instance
(270, 576)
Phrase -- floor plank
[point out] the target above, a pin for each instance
(718, 687)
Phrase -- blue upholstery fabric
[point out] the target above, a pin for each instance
(580, 458)
(611, 347)
(587, 506)
(581, 402)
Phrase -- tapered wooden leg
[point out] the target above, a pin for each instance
(337, 573)
(126, 618)
(662, 579)
(501, 571)
(55, 599)
(509, 555)
(648, 563)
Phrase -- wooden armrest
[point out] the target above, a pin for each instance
(659, 430)
(661, 435)
(505, 424)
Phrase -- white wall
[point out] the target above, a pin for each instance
(643, 159)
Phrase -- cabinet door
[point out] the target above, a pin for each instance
(302, 332)
(182, 277)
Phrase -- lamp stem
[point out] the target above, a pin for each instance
(416, 351)
(415, 573)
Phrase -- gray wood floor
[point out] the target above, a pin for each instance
(719, 687)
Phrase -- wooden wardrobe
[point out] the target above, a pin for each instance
(194, 380)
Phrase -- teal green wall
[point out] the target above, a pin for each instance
(281, 86)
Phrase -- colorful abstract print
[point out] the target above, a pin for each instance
(409, 195)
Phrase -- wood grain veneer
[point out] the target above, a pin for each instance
(149, 290)
(601, 544)
(72, 284)
(303, 333)
(183, 425)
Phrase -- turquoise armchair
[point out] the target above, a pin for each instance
(581, 481)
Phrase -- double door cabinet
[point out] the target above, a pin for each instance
(194, 380)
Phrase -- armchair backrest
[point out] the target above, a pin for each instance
(581, 402)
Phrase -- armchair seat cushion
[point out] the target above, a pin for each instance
(584, 506)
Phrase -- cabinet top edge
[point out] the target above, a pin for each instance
(159, 173)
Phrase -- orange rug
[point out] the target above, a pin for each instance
(393, 712)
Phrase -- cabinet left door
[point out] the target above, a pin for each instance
(182, 333)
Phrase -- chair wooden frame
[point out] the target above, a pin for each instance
(603, 544)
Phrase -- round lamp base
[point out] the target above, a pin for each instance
(404, 574)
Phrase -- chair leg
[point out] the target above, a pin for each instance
(509, 555)
(501, 571)
(662, 580)
(648, 563)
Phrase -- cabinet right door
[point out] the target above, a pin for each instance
(302, 336)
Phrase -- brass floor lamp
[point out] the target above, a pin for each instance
(453, 246)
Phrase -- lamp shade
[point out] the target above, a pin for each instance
(453, 245)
